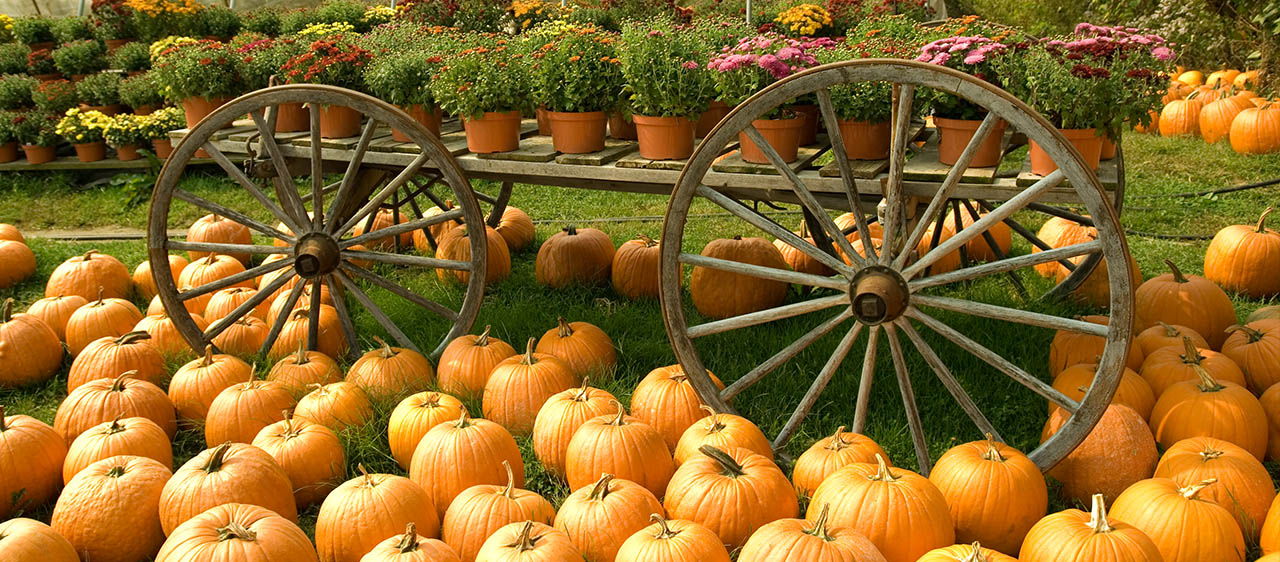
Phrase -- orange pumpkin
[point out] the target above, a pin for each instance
(384, 218)
(102, 400)
(721, 430)
(1270, 539)
(1191, 78)
(1243, 259)
(561, 416)
(673, 540)
(527, 541)
(337, 405)
(747, 490)
(281, 300)
(298, 371)
(195, 385)
(466, 362)
(1256, 130)
(109, 511)
(309, 453)
(242, 410)
(1058, 232)
(11, 233)
(722, 294)
(600, 517)
(413, 417)
(57, 311)
(237, 531)
(228, 473)
(165, 335)
(830, 454)
(135, 436)
(437, 230)
(1256, 348)
(635, 268)
(217, 229)
(965, 553)
(19, 263)
(28, 539)
(224, 301)
(1071, 535)
(1133, 391)
(1118, 451)
(666, 400)
(1184, 300)
(330, 340)
(367, 509)
(516, 228)
(32, 454)
(391, 372)
(1208, 407)
(1243, 486)
(1181, 117)
(208, 269)
(481, 510)
(996, 494)
(1216, 116)
(244, 337)
(1166, 335)
(587, 349)
(1071, 348)
(145, 282)
(455, 244)
(574, 255)
(411, 547)
(1168, 366)
(1270, 401)
(797, 259)
(796, 539)
(83, 275)
(478, 444)
(519, 386)
(621, 445)
(1184, 526)
(41, 352)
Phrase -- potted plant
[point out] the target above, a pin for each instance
(199, 75)
(13, 58)
(8, 137)
(488, 87)
(156, 19)
(36, 131)
(72, 28)
(35, 31)
(56, 96)
(716, 35)
(665, 69)
(6, 29)
(15, 91)
(578, 77)
(40, 65)
(862, 109)
(141, 93)
(132, 58)
(752, 65)
(112, 22)
(259, 62)
(803, 20)
(404, 79)
(217, 22)
(126, 133)
(957, 119)
(157, 126)
(100, 92)
(1136, 58)
(84, 130)
(264, 20)
(80, 58)
(337, 61)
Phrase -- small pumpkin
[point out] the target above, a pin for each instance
(666, 400)
(519, 386)
(110, 510)
(196, 384)
(722, 294)
(479, 444)
(237, 531)
(228, 473)
(32, 453)
(1243, 485)
(479, 511)
(600, 517)
(1072, 535)
(830, 454)
(242, 410)
(57, 311)
(28, 539)
(1118, 451)
(1184, 526)
(561, 416)
(1256, 130)
(217, 229)
(384, 218)
(83, 275)
(298, 371)
(244, 337)
(455, 244)
(145, 282)
(411, 547)
(413, 417)
(391, 372)
(310, 454)
(527, 541)
(19, 263)
(466, 362)
(134, 436)
(1133, 391)
(330, 340)
(102, 400)
(224, 301)
(673, 540)
(721, 430)
(1185, 300)
(635, 268)
(747, 489)
(996, 494)
(337, 405)
(29, 349)
(363, 511)
(1255, 347)
(281, 300)
(1166, 335)
(1208, 407)
(621, 445)
(516, 228)
(1242, 258)
(574, 256)
(587, 349)
(797, 539)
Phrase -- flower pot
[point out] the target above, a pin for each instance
(48, 77)
(577, 132)
(91, 151)
(430, 117)
(808, 134)
(77, 77)
(41, 45)
(292, 117)
(664, 138)
(1108, 148)
(782, 134)
(544, 122)
(132, 73)
(196, 108)
(495, 131)
(621, 128)
(144, 110)
(710, 118)
(162, 147)
(1085, 140)
(108, 110)
(9, 151)
(39, 154)
(127, 153)
(113, 44)
(865, 141)
(955, 134)
(339, 122)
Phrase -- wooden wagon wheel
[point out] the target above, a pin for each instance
(891, 294)
(315, 220)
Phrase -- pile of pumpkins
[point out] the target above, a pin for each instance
(18, 259)
(1220, 106)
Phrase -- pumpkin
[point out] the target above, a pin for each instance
(19, 263)
(1255, 347)
(411, 547)
(298, 371)
(1118, 451)
(1270, 401)
(156, 306)
(102, 400)
(478, 444)
(31, 454)
(1256, 130)
(527, 541)
(466, 362)
(28, 539)
(621, 445)
(965, 553)
(11, 233)
(481, 510)
(228, 473)
(635, 269)
(241, 410)
(413, 417)
(1185, 300)
(1243, 485)
(574, 256)
(1181, 117)
(1208, 407)
(830, 454)
(1243, 259)
(1095, 290)
(83, 275)
(391, 372)
(795, 539)
(673, 540)
(996, 494)
(212, 267)
(599, 518)
(57, 311)
(243, 337)
(519, 386)
(1184, 526)
(217, 229)
(1216, 116)
(329, 340)
(455, 244)
(721, 430)
(1072, 535)
(585, 348)
(145, 282)
(1133, 391)
(165, 335)
(337, 405)
(722, 294)
(384, 218)
(281, 300)
(1221, 78)
(1270, 536)
(437, 230)
(1191, 78)
(747, 489)
(29, 349)
(862, 496)
(237, 531)
(1058, 232)
(135, 436)
(976, 249)
(310, 455)
(1170, 365)
(1166, 335)
(797, 259)
(1071, 348)
(516, 228)
(1246, 79)
(666, 400)
(196, 384)
(363, 511)
(561, 416)
(224, 301)
(110, 510)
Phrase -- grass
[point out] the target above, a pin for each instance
(518, 308)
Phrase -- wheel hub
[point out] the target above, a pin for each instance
(878, 294)
(316, 254)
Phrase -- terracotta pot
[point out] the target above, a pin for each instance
(865, 141)
(955, 134)
(292, 118)
(127, 153)
(495, 131)
(144, 110)
(1085, 140)
(621, 128)
(132, 73)
(108, 110)
(664, 138)
(39, 154)
(809, 134)
(783, 135)
(544, 122)
(577, 132)
(113, 44)
(91, 151)
(77, 77)
(710, 118)
(162, 147)
(48, 77)
(339, 122)
(196, 108)
(1108, 148)
(41, 45)
(429, 117)
(9, 151)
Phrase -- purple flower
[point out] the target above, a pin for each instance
(690, 65)
(788, 53)
(1163, 54)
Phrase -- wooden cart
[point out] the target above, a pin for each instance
(883, 293)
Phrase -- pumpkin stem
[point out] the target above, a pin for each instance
(648, 242)
(511, 480)
(432, 401)
(234, 530)
(464, 420)
(601, 489)
(1177, 273)
(132, 337)
(409, 542)
(1262, 220)
(664, 532)
(2, 424)
(1207, 382)
(115, 426)
(570, 230)
(524, 542)
(117, 385)
(482, 340)
(6, 313)
(715, 426)
(976, 554)
(581, 395)
(89, 255)
(619, 420)
(368, 478)
(219, 455)
(563, 329)
(1169, 331)
(737, 237)
(837, 441)
(1254, 335)
(101, 290)
(992, 453)
(301, 357)
(1192, 355)
(115, 472)
(1190, 491)
(882, 472)
(1209, 453)
(731, 467)
(820, 526)
(298, 312)
(387, 352)
(1098, 515)
(528, 352)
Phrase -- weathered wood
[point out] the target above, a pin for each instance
(863, 403)
(313, 311)
(73, 164)
(792, 349)
(376, 201)
(1108, 174)
(226, 248)
(433, 306)
(995, 312)
(235, 278)
(767, 315)
(347, 187)
(771, 227)
(923, 460)
(924, 166)
(863, 169)
(1007, 264)
(613, 150)
(286, 190)
(774, 274)
(733, 163)
(290, 303)
(232, 170)
(634, 160)
(533, 149)
(376, 311)
(237, 216)
(247, 306)
(344, 316)
(949, 380)
(318, 188)
(827, 110)
(819, 384)
(405, 259)
(895, 200)
(399, 228)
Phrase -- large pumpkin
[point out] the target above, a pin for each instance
(561, 416)
(965, 553)
(1270, 539)
(110, 510)
(621, 445)
(224, 301)
(329, 341)
(165, 335)
(145, 281)
(102, 400)
(29, 348)
(309, 453)
(1118, 451)
(994, 491)
(1185, 300)
(1256, 130)
(600, 517)
(1071, 535)
(217, 229)
(237, 531)
(1256, 348)
(413, 417)
(244, 337)
(367, 509)
(337, 405)
(1170, 365)
(32, 454)
(673, 540)
(1244, 259)
(481, 510)
(478, 444)
(1243, 485)
(1216, 117)
(83, 275)
(19, 263)
(228, 473)
(1181, 118)
(635, 268)
(196, 384)
(587, 349)
(134, 436)
(732, 491)
(1184, 526)
(1270, 401)
(466, 362)
(516, 228)
(797, 539)
(1166, 335)
(721, 294)
(455, 244)
(666, 400)
(27, 539)
(298, 371)
(721, 430)
(391, 372)
(830, 454)
(1070, 348)
(1133, 391)
(411, 547)
(528, 541)
(519, 385)
(241, 410)
(1208, 407)
(574, 255)
(57, 311)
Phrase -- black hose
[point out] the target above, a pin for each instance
(1231, 189)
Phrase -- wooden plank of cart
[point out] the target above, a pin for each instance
(325, 237)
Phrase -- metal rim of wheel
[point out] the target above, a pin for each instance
(889, 279)
(318, 248)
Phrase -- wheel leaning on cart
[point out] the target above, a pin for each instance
(891, 295)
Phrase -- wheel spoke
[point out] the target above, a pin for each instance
(767, 315)
(864, 383)
(894, 201)
(376, 312)
(499, 204)
(785, 355)
(1007, 264)
(313, 325)
(909, 401)
(233, 215)
(995, 312)
(237, 174)
(235, 279)
(353, 167)
(278, 324)
(286, 191)
(745, 213)
(818, 385)
(948, 380)
(995, 249)
(1029, 236)
(405, 259)
(433, 306)
(846, 171)
(376, 201)
(248, 305)
(762, 272)
(317, 172)
(225, 248)
(344, 316)
(994, 359)
(399, 228)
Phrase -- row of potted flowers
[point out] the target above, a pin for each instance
(40, 133)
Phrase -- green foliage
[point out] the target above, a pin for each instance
(166, 119)
(265, 21)
(1043, 17)
(600, 18)
(666, 70)
(578, 72)
(157, 25)
(15, 91)
(257, 61)
(37, 128)
(141, 90)
(80, 57)
(404, 77)
(8, 130)
(56, 96)
(335, 60)
(13, 58)
(112, 19)
(294, 21)
(343, 11)
(217, 21)
(200, 69)
(483, 79)
(102, 88)
(72, 28)
(33, 29)
(130, 57)
(480, 15)
(870, 102)
(40, 61)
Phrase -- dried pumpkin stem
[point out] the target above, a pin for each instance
(301, 357)
(511, 480)
(882, 470)
(234, 530)
(368, 478)
(1191, 355)
(664, 531)
(583, 391)
(464, 420)
(648, 242)
(570, 230)
(620, 419)
(528, 351)
(563, 329)
(976, 554)
(132, 337)
(409, 541)
(714, 416)
(1190, 491)
(524, 542)
(1209, 453)
(601, 489)
(1169, 331)
(89, 255)
(3, 427)
(6, 314)
(1207, 382)
(217, 457)
(101, 291)
(1177, 273)
(117, 385)
(1253, 334)
(432, 401)
(819, 528)
(207, 359)
(387, 352)
(1262, 220)
(993, 451)
(731, 467)
(837, 442)
(115, 426)
(482, 340)
(1098, 515)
